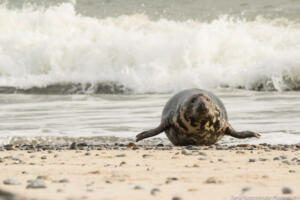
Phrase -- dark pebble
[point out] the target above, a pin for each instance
(121, 155)
(138, 187)
(252, 160)
(122, 163)
(176, 198)
(154, 191)
(245, 189)
(262, 159)
(108, 181)
(202, 153)
(286, 190)
(64, 180)
(9, 147)
(294, 159)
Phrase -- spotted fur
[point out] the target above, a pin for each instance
(198, 126)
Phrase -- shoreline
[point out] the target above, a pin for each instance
(129, 171)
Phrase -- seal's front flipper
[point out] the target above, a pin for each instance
(241, 134)
(152, 132)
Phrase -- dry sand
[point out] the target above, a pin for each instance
(151, 173)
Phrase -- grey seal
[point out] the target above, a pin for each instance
(195, 117)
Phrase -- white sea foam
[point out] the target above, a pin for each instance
(44, 46)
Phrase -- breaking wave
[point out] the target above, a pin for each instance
(56, 50)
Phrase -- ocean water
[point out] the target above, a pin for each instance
(101, 71)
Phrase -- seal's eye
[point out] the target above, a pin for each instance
(193, 99)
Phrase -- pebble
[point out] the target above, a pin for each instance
(154, 191)
(286, 162)
(121, 155)
(42, 177)
(108, 181)
(212, 180)
(186, 152)
(146, 156)
(138, 187)
(122, 163)
(131, 145)
(286, 190)
(201, 158)
(11, 182)
(73, 146)
(87, 154)
(245, 189)
(283, 157)
(44, 157)
(176, 198)
(292, 171)
(64, 180)
(275, 158)
(171, 179)
(9, 147)
(36, 184)
(252, 160)
(202, 154)
(294, 159)
(262, 159)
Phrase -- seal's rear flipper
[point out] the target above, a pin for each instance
(162, 127)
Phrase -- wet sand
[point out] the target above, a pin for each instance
(150, 172)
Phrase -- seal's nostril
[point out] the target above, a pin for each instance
(201, 106)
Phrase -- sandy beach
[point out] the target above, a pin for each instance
(151, 172)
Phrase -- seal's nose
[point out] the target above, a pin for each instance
(201, 107)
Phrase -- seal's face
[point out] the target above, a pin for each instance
(197, 107)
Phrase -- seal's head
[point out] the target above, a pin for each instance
(197, 107)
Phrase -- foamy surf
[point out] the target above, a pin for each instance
(55, 46)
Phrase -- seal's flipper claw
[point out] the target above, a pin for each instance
(257, 135)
